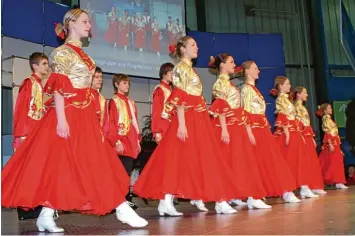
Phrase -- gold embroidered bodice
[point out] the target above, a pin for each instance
(329, 126)
(252, 100)
(124, 119)
(102, 100)
(302, 113)
(165, 90)
(185, 78)
(66, 61)
(36, 109)
(285, 106)
(224, 89)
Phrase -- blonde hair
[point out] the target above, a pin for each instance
(279, 80)
(246, 65)
(182, 42)
(71, 15)
(321, 109)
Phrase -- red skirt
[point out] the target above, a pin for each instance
(194, 169)
(316, 180)
(296, 157)
(332, 164)
(111, 34)
(79, 173)
(276, 175)
(241, 157)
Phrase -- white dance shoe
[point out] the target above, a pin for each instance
(341, 186)
(199, 204)
(224, 208)
(237, 202)
(127, 215)
(307, 193)
(45, 221)
(290, 198)
(166, 207)
(257, 204)
(319, 191)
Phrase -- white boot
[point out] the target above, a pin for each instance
(199, 204)
(224, 208)
(258, 204)
(127, 215)
(306, 192)
(45, 221)
(290, 198)
(319, 191)
(237, 202)
(167, 207)
(341, 186)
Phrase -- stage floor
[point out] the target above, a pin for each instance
(330, 214)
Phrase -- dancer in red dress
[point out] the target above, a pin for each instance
(316, 184)
(288, 134)
(276, 175)
(111, 34)
(103, 113)
(331, 157)
(29, 108)
(65, 163)
(139, 29)
(123, 30)
(229, 121)
(161, 93)
(183, 162)
(124, 132)
(156, 37)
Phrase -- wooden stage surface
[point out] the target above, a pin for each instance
(330, 214)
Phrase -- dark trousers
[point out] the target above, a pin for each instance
(127, 162)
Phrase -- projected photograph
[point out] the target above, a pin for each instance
(132, 37)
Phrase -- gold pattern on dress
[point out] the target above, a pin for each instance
(167, 107)
(185, 78)
(329, 126)
(251, 101)
(224, 89)
(284, 106)
(302, 113)
(124, 121)
(102, 108)
(36, 109)
(64, 60)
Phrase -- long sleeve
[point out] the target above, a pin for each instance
(284, 108)
(112, 135)
(157, 110)
(21, 119)
(61, 62)
(220, 94)
(330, 130)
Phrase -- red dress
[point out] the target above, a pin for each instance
(316, 181)
(239, 152)
(81, 172)
(140, 39)
(155, 41)
(111, 34)
(123, 125)
(194, 169)
(276, 175)
(123, 34)
(332, 163)
(103, 114)
(295, 152)
(29, 108)
(160, 122)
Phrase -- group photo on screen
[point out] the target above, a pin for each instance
(133, 36)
